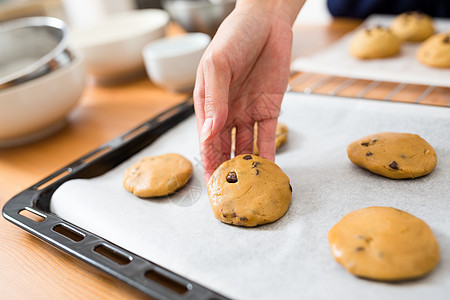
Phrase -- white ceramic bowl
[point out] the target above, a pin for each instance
(172, 62)
(36, 108)
(112, 47)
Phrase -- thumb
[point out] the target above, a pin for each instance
(217, 83)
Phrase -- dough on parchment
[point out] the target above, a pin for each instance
(384, 243)
(158, 175)
(435, 51)
(249, 190)
(413, 26)
(393, 155)
(375, 42)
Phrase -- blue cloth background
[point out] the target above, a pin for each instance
(363, 8)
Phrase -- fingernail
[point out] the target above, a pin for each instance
(206, 130)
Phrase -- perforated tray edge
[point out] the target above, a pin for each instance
(36, 199)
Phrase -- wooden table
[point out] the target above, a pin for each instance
(31, 268)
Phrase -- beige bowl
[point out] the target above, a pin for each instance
(112, 47)
(37, 108)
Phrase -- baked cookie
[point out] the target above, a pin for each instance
(249, 190)
(384, 243)
(280, 137)
(393, 155)
(435, 51)
(158, 175)
(412, 26)
(374, 42)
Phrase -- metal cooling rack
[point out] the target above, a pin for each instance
(313, 83)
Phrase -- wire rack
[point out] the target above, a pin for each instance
(313, 83)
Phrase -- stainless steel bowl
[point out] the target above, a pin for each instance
(199, 15)
(32, 47)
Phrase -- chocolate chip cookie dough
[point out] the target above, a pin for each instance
(249, 190)
(412, 26)
(384, 243)
(393, 155)
(158, 175)
(375, 42)
(435, 51)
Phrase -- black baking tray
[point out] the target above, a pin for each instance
(153, 280)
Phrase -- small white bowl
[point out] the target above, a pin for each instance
(172, 62)
(37, 108)
(112, 47)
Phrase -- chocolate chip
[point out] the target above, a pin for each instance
(255, 163)
(257, 172)
(232, 177)
(369, 143)
(367, 239)
(233, 215)
(369, 153)
(393, 165)
(244, 219)
(290, 187)
(247, 157)
(358, 249)
(224, 215)
(446, 40)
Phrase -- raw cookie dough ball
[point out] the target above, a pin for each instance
(384, 243)
(158, 175)
(413, 26)
(374, 42)
(280, 137)
(435, 51)
(393, 155)
(249, 190)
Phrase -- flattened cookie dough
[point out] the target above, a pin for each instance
(374, 42)
(249, 190)
(280, 137)
(435, 51)
(158, 175)
(413, 26)
(384, 243)
(393, 155)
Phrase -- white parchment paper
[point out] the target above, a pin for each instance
(405, 68)
(289, 259)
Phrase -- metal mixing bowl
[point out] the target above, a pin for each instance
(199, 15)
(30, 48)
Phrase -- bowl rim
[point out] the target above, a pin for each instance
(76, 62)
(111, 39)
(203, 38)
(34, 69)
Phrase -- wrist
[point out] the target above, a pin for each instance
(286, 10)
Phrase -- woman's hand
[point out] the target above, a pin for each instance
(241, 80)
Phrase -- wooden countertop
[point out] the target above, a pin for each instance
(31, 268)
